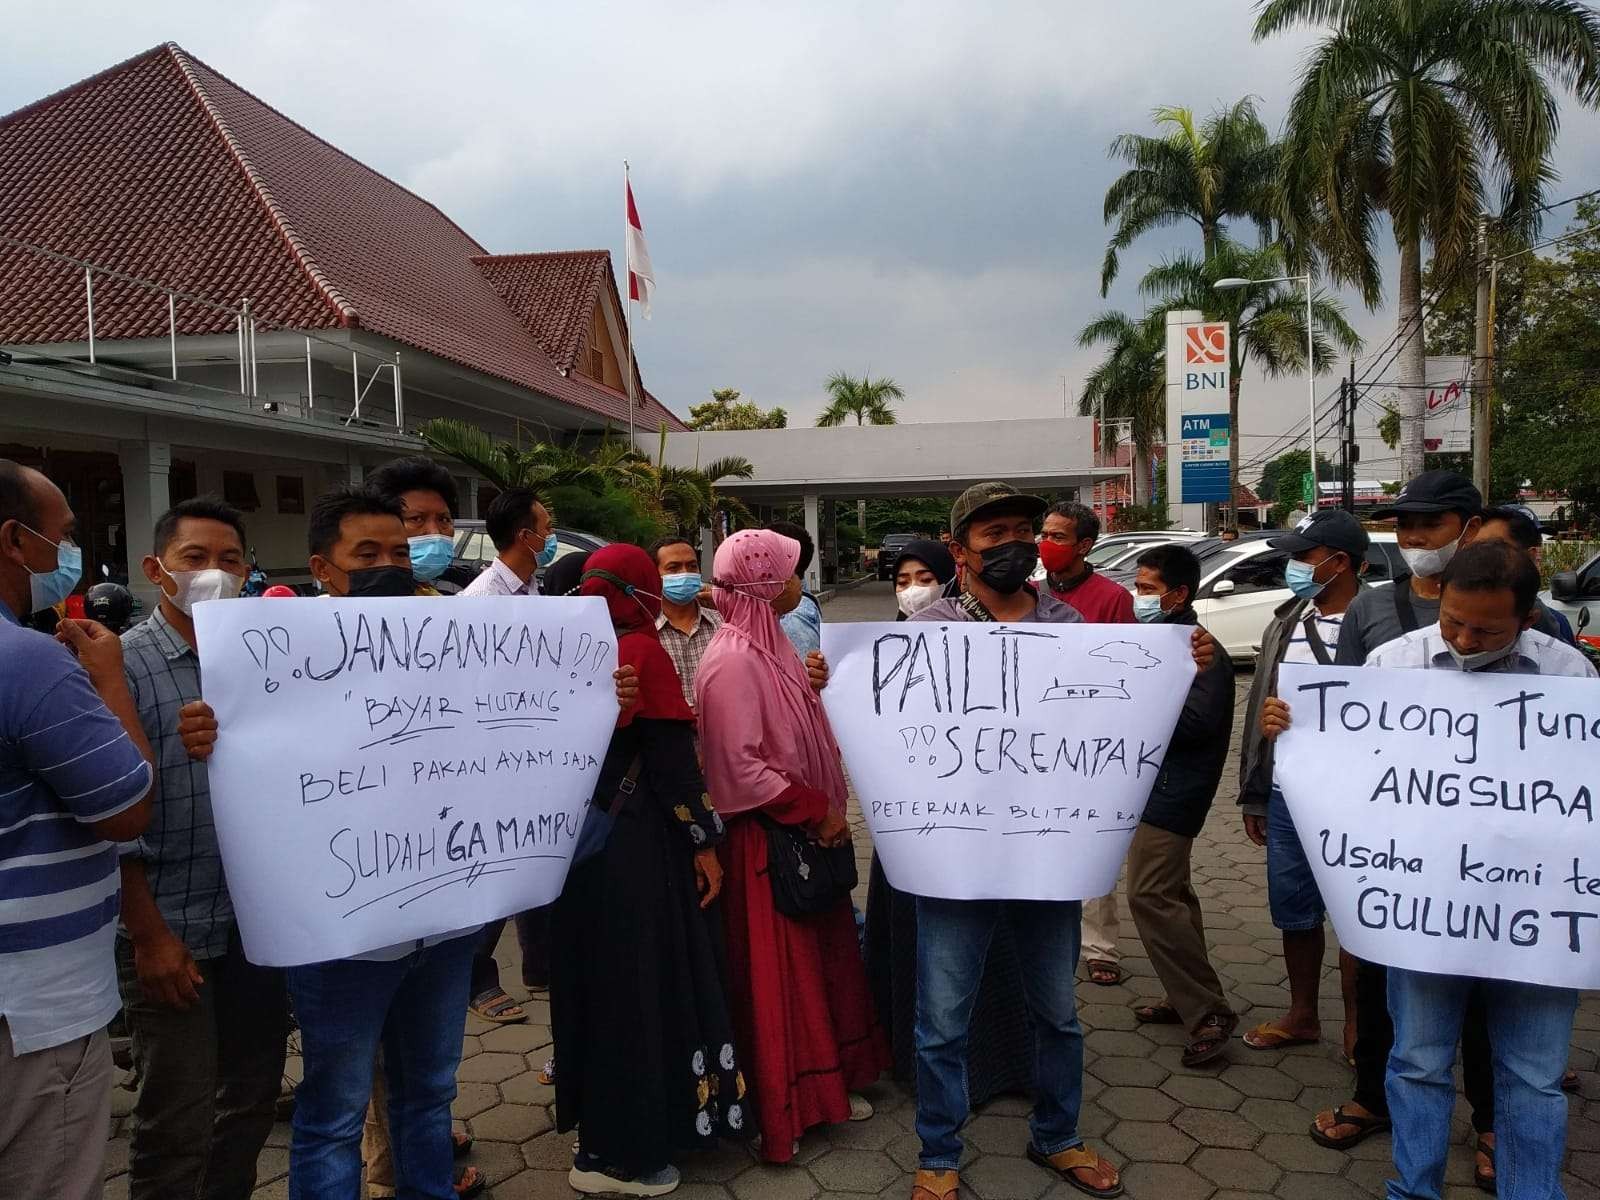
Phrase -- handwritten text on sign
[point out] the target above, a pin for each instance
(388, 769)
(1449, 818)
(1001, 761)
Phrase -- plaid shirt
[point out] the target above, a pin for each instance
(179, 849)
(687, 649)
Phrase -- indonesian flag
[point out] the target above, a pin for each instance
(641, 275)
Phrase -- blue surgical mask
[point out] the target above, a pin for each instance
(551, 548)
(1301, 578)
(681, 589)
(50, 588)
(431, 554)
(1148, 608)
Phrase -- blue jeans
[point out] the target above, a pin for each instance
(1292, 895)
(416, 1008)
(1530, 1029)
(952, 941)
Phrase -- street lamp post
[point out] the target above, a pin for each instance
(1234, 284)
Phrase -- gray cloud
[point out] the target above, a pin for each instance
(912, 188)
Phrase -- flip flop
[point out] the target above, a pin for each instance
(1486, 1181)
(1268, 1036)
(1103, 973)
(460, 1143)
(1212, 1040)
(1068, 1163)
(1569, 1081)
(1365, 1128)
(1157, 1014)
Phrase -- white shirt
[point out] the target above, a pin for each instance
(1536, 654)
(1300, 651)
(497, 579)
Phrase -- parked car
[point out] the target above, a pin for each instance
(474, 550)
(1242, 583)
(1570, 592)
(889, 550)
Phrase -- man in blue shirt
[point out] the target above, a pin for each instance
(75, 777)
(802, 624)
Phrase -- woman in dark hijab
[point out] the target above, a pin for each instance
(645, 1058)
(1000, 1051)
(921, 572)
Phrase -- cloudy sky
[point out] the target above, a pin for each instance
(910, 189)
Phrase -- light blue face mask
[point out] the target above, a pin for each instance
(431, 554)
(552, 547)
(50, 588)
(1148, 608)
(682, 588)
(1302, 579)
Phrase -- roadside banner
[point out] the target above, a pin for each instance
(388, 769)
(1004, 761)
(1449, 818)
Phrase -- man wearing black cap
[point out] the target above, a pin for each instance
(1326, 552)
(1435, 515)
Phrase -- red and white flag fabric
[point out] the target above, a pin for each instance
(641, 275)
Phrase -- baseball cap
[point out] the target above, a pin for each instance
(1435, 492)
(981, 498)
(1331, 527)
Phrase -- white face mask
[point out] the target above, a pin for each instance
(917, 597)
(213, 583)
(1428, 563)
(1483, 658)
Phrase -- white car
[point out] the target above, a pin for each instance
(1574, 592)
(1242, 584)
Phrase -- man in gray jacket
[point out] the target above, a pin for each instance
(1326, 554)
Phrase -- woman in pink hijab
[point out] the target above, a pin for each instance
(801, 1008)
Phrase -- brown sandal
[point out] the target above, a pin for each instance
(1067, 1164)
(1485, 1178)
(1365, 1127)
(935, 1185)
(1210, 1041)
(1157, 1014)
(1104, 973)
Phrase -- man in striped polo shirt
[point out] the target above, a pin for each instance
(75, 777)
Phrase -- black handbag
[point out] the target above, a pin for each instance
(807, 878)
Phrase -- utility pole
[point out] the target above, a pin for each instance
(1345, 400)
(1352, 448)
(1482, 367)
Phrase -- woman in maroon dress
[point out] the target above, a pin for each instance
(801, 1007)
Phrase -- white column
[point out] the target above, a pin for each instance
(356, 473)
(146, 494)
(1185, 516)
(469, 498)
(813, 576)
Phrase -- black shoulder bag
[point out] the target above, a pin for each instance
(807, 877)
(1402, 604)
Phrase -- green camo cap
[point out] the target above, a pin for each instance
(983, 497)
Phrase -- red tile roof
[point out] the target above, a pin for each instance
(552, 294)
(163, 169)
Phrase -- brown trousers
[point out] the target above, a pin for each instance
(1167, 914)
(55, 1118)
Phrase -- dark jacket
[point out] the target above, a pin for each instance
(1255, 752)
(1193, 764)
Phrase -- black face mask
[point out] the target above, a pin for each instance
(381, 581)
(1006, 567)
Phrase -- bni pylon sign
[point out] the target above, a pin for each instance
(1198, 381)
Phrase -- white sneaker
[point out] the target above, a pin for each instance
(595, 1182)
(860, 1108)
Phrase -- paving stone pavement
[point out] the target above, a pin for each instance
(1234, 1131)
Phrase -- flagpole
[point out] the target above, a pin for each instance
(627, 232)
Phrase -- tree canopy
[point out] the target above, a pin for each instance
(866, 399)
(726, 410)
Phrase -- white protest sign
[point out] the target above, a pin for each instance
(387, 769)
(1449, 818)
(998, 761)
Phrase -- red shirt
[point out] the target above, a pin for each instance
(1098, 600)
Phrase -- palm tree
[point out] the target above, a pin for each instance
(1219, 170)
(1403, 110)
(1130, 384)
(538, 465)
(867, 399)
(1268, 319)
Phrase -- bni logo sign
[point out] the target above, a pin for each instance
(1205, 345)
